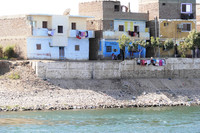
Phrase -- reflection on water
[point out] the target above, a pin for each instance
(165, 119)
(19, 121)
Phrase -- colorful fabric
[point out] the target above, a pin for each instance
(131, 26)
(126, 26)
(81, 35)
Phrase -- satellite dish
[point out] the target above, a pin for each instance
(67, 12)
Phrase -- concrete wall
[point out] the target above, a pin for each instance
(46, 51)
(81, 23)
(141, 24)
(175, 68)
(171, 9)
(82, 54)
(171, 31)
(38, 19)
(60, 39)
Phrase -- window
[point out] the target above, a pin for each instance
(60, 29)
(77, 47)
(136, 28)
(38, 46)
(116, 8)
(187, 27)
(44, 24)
(186, 8)
(73, 26)
(166, 24)
(108, 48)
(121, 28)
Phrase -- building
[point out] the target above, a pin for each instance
(111, 20)
(40, 36)
(170, 18)
(198, 17)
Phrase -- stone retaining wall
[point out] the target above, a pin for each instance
(175, 68)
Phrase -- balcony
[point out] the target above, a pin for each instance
(187, 16)
(81, 34)
(43, 32)
(132, 35)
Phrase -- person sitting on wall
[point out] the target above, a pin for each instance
(153, 61)
(114, 57)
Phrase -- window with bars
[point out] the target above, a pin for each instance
(60, 29)
(186, 8)
(38, 46)
(73, 26)
(44, 24)
(77, 48)
(108, 48)
(121, 28)
(187, 27)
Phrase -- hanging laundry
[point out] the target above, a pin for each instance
(81, 35)
(51, 32)
(160, 63)
(163, 62)
(148, 62)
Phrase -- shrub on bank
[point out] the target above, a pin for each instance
(9, 52)
(1, 52)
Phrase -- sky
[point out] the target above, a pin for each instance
(13, 7)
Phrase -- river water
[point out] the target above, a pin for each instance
(135, 120)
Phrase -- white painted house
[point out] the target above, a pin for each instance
(58, 37)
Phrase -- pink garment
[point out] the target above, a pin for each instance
(160, 63)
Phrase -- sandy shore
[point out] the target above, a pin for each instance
(31, 93)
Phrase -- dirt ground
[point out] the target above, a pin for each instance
(21, 89)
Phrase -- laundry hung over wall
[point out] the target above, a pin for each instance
(51, 32)
(81, 35)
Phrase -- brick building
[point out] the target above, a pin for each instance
(111, 20)
(40, 36)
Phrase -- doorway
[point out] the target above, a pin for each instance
(61, 52)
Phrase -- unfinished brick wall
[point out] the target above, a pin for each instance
(94, 9)
(94, 24)
(14, 27)
(151, 6)
(13, 31)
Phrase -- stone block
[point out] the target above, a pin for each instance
(107, 74)
(129, 74)
(197, 61)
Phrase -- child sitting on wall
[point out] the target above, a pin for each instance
(153, 61)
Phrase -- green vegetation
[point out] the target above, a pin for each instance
(191, 42)
(124, 41)
(168, 45)
(142, 43)
(14, 76)
(7, 53)
(156, 44)
(1, 52)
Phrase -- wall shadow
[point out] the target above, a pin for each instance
(4, 67)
